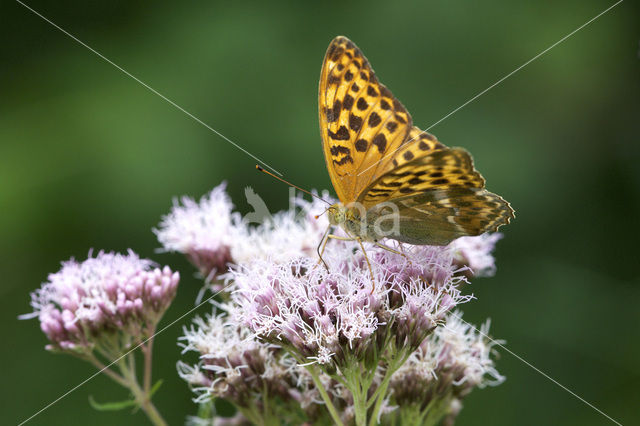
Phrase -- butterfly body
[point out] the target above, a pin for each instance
(393, 179)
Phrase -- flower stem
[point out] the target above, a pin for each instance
(141, 396)
(252, 414)
(358, 384)
(380, 393)
(360, 405)
(147, 350)
(325, 397)
(106, 370)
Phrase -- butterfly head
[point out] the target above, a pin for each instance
(337, 214)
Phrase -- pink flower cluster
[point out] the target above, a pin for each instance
(329, 344)
(248, 372)
(110, 292)
(331, 316)
(212, 236)
(476, 254)
(202, 230)
(448, 365)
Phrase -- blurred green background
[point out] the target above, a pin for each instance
(90, 158)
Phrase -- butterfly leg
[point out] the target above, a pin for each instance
(387, 248)
(373, 280)
(321, 247)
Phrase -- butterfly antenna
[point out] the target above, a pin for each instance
(260, 169)
(325, 210)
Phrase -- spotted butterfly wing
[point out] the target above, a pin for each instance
(361, 122)
(440, 216)
(416, 173)
(437, 198)
(375, 156)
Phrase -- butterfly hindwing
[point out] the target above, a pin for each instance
(360, 120)
(418, 144)
(439, 216)
(439, 168)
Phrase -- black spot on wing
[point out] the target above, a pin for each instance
(344, 160)
(347, 104)
(341, 135)
(361, 145)
(334, 113)
(440, 181)
(380, 141)
(374, 119)
(355, 122)
(337, 149)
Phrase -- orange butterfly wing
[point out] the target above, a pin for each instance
(361, 122)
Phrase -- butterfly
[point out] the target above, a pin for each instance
(393, 180)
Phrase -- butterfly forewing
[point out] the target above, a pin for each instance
(360, 120)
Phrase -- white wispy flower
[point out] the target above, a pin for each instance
(248, 372)
(476, 253)
(450, 363)
(297, 328)
(212, 236)
(300, 303)
(203, 230)
(286, 235)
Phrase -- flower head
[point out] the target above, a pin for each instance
(330, 316)
(202, 230)
(232, 365)
(287, 235)
(250, 373)
(212, 235)
(451, 362)
(475, 253)
(110, 292)
(342, 330)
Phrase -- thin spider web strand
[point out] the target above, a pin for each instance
(518, 357)
(151, 89)
(55, 401)
(497, 82)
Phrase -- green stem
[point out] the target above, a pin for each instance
(381, 392)
(147, 350)
(411, 416)
(358, 384)
(141, 397)
(360, 405)
(251, 414)
(104, 369)
(323, 393)
(436, 410)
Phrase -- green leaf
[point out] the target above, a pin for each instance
(112, 406)
(121, 405)
(154, 388)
